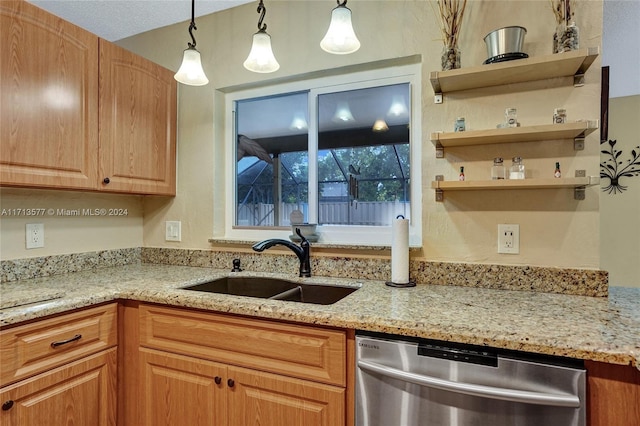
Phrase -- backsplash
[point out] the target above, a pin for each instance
(581, 282)
(35, 267)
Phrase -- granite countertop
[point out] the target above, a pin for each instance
(591, 328)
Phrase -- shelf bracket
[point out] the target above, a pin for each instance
(578, 80)
(439, 150)
(439, 192)
(579, 193)
(578, 143)
(437, 98)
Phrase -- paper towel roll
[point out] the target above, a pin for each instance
(400, 251)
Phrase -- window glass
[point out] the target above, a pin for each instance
(363, 156)
(272, 160)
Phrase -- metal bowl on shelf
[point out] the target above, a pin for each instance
(505, 44)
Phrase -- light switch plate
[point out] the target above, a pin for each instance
(509, 238)
(173, 230)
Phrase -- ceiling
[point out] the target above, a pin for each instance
(117, 19)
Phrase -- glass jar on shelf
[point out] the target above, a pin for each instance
(516, 171)
(498, 170)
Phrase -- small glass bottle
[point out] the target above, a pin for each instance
(460, 125)
(559, 116)
(511, 117)
(461, 176)
(516, 171)
(557, 173)
(497, 170)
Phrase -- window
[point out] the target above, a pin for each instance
(344, 152)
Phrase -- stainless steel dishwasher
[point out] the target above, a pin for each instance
(403, 381)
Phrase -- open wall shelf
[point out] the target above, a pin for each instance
(575, 131)
(574, 63)
(578, 183)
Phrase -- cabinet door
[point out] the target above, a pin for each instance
(49, 101)
(81, 393)
(265, 399)
(179, 390)
(137, 124)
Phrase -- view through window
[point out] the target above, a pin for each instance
(360, 154)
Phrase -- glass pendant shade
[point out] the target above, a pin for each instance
(340, 38)
(191, 72)
(261, 57)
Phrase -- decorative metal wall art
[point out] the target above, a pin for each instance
(614, 169)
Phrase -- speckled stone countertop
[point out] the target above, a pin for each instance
(592, 328)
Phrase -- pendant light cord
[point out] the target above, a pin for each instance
(192, 26)
(344, 3)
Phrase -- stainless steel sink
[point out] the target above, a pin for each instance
(276, 289)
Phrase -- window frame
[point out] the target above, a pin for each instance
(350, 235)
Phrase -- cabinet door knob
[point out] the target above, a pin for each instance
(7, 405)
(106, 181)
(231, 383)
(218, 380)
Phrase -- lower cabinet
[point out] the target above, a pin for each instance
(613, 394)
(183, 390)
(257, 398)
(61, 370)
(179, 390)
(80, 393)
(200, 368)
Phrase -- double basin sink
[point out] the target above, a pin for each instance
(275, 289)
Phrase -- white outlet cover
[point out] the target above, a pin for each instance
(509, 238)
(34, 235)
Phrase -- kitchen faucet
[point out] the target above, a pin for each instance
(302, 251)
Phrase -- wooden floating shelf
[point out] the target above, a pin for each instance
(515, 134)
(574, 63)
(515, 184)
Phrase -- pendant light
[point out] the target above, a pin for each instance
(261, 57)
(340, 38)
(191, 72)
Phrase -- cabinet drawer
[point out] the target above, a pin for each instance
(313, 353)
(32, 348)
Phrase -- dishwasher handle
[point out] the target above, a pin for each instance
(513, 395)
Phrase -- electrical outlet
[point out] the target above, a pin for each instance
(509, 238)
(173, 230)
(34, 235)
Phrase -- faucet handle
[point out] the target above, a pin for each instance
(303, 240)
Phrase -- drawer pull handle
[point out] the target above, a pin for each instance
(218, 380)
(64, 342)
(7, 405)
(231, 383)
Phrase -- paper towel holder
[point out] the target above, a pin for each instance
(410, 283)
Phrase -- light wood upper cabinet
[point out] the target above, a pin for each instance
(137, 123)
(49, 100)
(77, 110)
